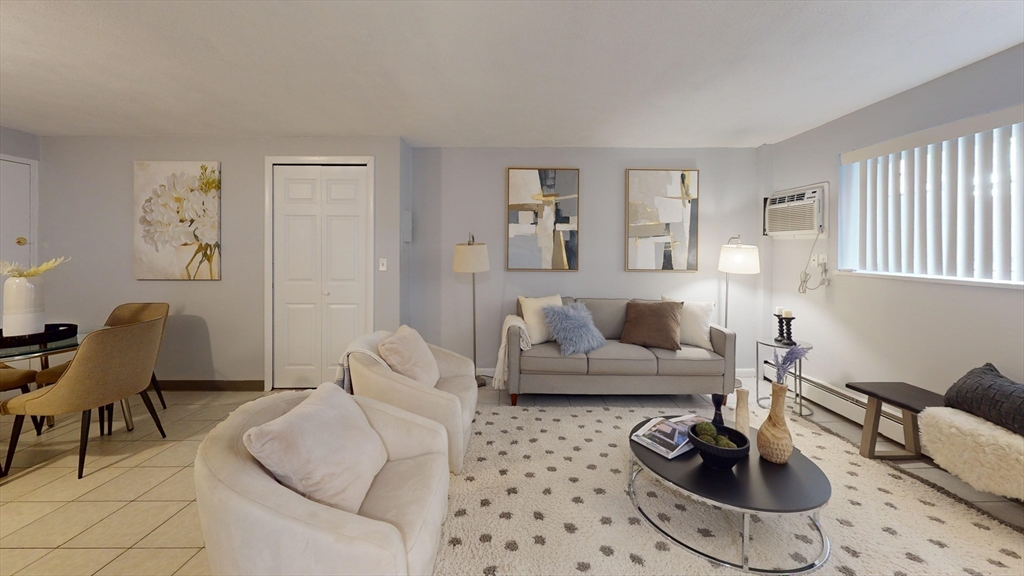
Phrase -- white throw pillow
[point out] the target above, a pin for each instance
(324, 449)
(533, 315)
(407, 353)
(695, 323)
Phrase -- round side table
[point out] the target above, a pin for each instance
(798, 375)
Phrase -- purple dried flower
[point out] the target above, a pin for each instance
(782, 367)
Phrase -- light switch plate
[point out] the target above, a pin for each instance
(382, 265)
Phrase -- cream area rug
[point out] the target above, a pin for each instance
(543, 491)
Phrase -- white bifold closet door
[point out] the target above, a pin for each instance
(321, 273)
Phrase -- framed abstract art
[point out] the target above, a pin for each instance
(661, 219)
(543, 219)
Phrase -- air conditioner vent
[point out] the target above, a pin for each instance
(796, 213)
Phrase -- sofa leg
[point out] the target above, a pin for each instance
(514, 397)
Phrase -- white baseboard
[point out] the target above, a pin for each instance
(745, 373)
(485, 372)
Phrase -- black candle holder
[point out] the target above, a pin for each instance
(785, 336)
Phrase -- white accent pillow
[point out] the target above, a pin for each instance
(695, 323)
(407, 353)
(324, 449)
(533, 315)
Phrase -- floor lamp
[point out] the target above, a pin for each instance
(471, 258)
(737, 259)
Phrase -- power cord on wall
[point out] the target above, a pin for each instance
(822, 268)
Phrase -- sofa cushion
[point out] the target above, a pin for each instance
(573, 328)
(324, 448)
(533, 315)
(689, 361)
(547, 358)
(407, 353)
(694, 323)
(987, 394)
(652, 324)
(609, 315)
(464, 388)
(623, 359)
(411, 494)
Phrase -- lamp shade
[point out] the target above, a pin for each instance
(739, 259)
(471, 258)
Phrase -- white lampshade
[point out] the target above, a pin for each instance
(471, 258)
(739, 259)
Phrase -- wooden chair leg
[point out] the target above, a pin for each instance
(37, 422)
(101, 411)
(152, 412)
(513, 398)
(156, 388)
(19, 421)
(86, 417)
(110, 419)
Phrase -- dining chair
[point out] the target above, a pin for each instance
(123, 314)
(111, 364)
(12, 378)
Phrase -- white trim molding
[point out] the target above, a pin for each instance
(268, 246)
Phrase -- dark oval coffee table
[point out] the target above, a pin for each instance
(753, 486)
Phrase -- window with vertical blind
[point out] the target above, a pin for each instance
(942, 203)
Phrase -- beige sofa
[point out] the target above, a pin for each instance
(451, 402)
(254, 525)
(619, 368)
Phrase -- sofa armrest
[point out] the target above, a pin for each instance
(451, 364)
(514, 353)
(723, 342)
(404, 434)
(374, 381)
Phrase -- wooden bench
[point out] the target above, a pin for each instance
(911, 399)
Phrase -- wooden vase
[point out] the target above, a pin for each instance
(742, 411)
(773, 439)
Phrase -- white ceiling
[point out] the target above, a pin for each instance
(479, 74)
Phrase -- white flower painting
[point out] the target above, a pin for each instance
(177, 220)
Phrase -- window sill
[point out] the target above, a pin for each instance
(934, 279)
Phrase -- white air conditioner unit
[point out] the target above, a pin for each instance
(796, 213)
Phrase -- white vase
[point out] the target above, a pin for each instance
(23, 306)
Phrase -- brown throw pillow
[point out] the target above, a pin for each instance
(652, 324)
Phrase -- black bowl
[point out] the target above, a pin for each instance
(722, 458)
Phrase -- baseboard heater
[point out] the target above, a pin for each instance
(840, 394)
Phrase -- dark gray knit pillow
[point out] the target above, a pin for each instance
(988, 394)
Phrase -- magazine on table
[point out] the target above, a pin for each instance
(668, 436)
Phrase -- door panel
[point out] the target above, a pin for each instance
(321, 285)
(15, 214)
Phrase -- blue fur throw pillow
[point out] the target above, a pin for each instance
(573, 328)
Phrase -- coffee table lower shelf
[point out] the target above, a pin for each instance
(636, 467)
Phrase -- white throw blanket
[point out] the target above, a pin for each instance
(501, 370)
(343, 377)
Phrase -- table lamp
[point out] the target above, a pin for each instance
(737, 259)
(471, 258)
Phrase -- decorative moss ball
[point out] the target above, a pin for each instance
(705, 429)
(707, 438)
(724, 442)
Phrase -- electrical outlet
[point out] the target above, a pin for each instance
(822, 259)
(382, 265)
(814, 260)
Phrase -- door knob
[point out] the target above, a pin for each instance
(21, 241)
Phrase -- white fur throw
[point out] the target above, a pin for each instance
(986, 456)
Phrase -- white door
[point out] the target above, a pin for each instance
(15, 214)
(322, 271)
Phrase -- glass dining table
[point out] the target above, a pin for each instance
(42, 352)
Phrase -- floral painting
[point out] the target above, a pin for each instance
(177, 220)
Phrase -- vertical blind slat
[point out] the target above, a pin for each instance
(1001, 203)
(869, 247)
(983, 205)
(965, 209)
(862, 179)
(920, 210)
(894, 213)
(907, 213)
(949, 186)
(1017, 205)
(933, 216)
(882, 205)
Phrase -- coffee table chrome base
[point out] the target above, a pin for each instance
(826, 547)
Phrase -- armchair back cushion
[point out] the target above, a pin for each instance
(324, 449)
(407, 353)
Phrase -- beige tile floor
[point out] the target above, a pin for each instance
(134, 512)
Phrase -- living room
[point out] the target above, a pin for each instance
(437, 116)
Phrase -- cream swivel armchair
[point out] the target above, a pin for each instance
(252, 524)
(111, 364)
(451, 402)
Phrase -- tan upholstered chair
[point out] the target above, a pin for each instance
(123, 314)
(111, 364)
(16, 379)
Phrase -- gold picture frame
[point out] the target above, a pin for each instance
(662, 219)
(542, 203)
